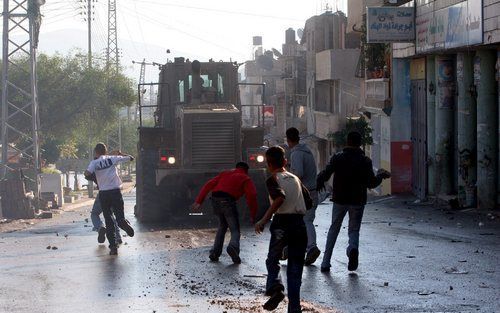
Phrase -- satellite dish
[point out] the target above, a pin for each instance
(300, 33)
(277, 53)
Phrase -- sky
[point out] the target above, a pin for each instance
(201, 29)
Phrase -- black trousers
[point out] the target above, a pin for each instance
(287, 230)
(111, 203)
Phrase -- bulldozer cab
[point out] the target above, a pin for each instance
(196, 133)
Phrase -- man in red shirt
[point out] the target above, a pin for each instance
(227, 188)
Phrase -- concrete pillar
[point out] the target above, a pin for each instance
(76, 184)
(487, 128)
(467, 170)
(67, 179)
(431, 123)
(445, 102)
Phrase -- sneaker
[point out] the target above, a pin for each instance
(213, 257)
(125, 225)
(284, 254)
(312, 256)
(274, 301)
(113, 251)
(353, 260)
(275, 289)
(233, 254)
(101, 235)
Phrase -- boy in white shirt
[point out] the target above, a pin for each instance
(110, 196)
(289, 202)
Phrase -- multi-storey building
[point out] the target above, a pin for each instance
(445, 100)
(332, 87)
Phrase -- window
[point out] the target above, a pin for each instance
(220, 86)
(181, 91)
(207, 82)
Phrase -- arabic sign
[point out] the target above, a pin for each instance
(452, 27)
(390, 24)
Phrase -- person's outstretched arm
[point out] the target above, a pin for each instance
(204, 192)
(325, 174)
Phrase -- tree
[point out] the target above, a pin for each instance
(360, 125)
(77, 105)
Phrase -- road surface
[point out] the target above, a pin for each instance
(412, 259)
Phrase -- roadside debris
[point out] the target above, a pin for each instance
(425, 293)
(454, 270)
(255, 276)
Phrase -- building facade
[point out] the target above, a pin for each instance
(331, 85)
(446, 84)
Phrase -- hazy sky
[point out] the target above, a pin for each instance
(221, 29)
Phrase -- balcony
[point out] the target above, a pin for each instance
(377, 93)
(337, 64)
(325, 123)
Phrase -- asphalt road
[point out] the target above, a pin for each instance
(412, 259)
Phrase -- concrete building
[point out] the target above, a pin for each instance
(331, 86)
(446, 84)
(263, 69)
(290, 97)
(374, 68)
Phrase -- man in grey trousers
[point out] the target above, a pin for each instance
(303, 165)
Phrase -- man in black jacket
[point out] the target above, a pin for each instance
(353, 175)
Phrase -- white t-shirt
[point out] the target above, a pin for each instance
(106, 172)
(289, 187)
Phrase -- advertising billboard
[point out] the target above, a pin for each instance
(459, 25)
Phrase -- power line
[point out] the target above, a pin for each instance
(221, 11)
(185, 33)
(140, 29)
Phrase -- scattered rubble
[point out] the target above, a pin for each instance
(454, 270)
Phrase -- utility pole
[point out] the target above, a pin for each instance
(112, 67)
(142, 80)
(89, 18)
(20, 116)
(112, 52)
(89, 34)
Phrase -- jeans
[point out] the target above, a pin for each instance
(338, 213)
(287, 230)
(112, 203)
(309, 221)
(225, 209)
(96, 220)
